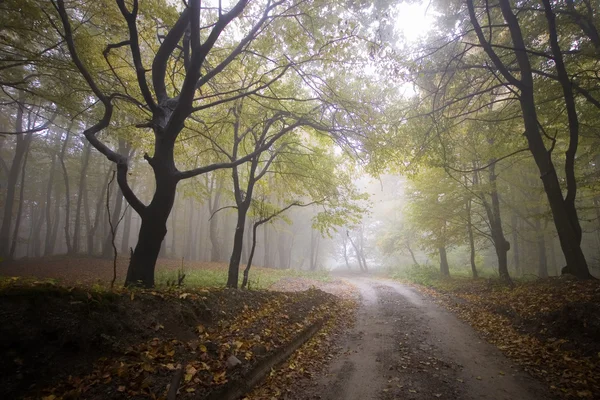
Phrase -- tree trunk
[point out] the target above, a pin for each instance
(541, 247)
(250, 257)
(154, 220)
(196, 234)
(188, 236)
(23, 142)
(48, 243)
(33, 219)
(173, 216)
(515, 240)
(215, 252)
(55, 225)
(15, 237)
(357, 252)
(266, 254)
(444, 267)
(67, 193)
(314, 249)
(126, 232)
(345, 245)
(468, 206)
(37, 231)
(362, 249)
(94, 227)
(87, 150)
(282, 254)
(107, 250)
(501, 245)
(236, 254)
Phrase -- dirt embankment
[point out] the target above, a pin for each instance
(59, 342)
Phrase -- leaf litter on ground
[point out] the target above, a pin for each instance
(129, 344)
(550, 327)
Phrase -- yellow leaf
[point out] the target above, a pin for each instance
(200, 329)
(132, 296)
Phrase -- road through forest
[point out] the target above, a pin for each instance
(404, 346)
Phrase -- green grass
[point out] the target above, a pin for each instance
(430, 276)
(260, 278)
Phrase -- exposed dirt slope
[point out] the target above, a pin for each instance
(59, 342)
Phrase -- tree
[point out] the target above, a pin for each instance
(168, 110)
(563, 208)
(434, 211)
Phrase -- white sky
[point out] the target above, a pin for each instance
(414, 19)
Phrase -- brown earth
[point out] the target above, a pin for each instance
(59, 342)
(84, 270)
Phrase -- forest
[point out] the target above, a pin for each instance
(212, 199)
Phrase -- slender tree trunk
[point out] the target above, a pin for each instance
(37, 232)
(33, 218)
(48, 243)
(188, 237)
(250, 257)
(266, 254)
(99, 212)
(196, 242)
(412, 253)
(87, 150)
(67, 192)
(314, 249)
(541, 248)
(247, 242)
(23, 142)
(515, 240)
(362, 249)
(357, 252)
(126, 232)
(282, 254)
(236, 254)
(215, 252)
(468, 206)
(553, 261)
(291, 253)
(345, 245)
(15, 237)
(501, 245)
(55, 226)
(173, 252)
(444, 267)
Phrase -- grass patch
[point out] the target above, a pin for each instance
(430, 276)
(260, 278)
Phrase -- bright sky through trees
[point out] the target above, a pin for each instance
(414, 20)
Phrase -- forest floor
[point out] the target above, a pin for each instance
(550, 327)
(66, 335)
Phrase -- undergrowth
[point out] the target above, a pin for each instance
(430, 276)
(259, 278)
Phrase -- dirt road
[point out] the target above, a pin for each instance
(404, 346)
